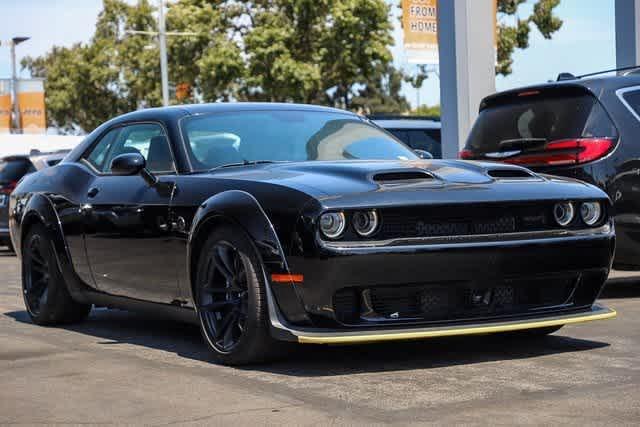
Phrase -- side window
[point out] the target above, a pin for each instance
(400, 134)
(148, 140)
(98, 154)
(633, 100)
(420, 139)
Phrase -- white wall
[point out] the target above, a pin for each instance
(23, 144)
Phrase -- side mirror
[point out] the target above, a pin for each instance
(423, 154)
(129, 164)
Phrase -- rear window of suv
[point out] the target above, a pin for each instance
(533, 118)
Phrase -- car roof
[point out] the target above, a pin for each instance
(595, 85)
(218, 107)
(407, 124)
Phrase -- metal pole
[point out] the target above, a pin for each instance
(467, 66)
(162, 38)
(627, 32)
(14, 88)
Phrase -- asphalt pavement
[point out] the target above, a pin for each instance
(125, 368)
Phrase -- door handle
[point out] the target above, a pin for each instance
(93, 192)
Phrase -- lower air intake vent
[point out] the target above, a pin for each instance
(390, 177)
(510, 173)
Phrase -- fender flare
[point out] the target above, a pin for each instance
(242, 209)
(40, 209)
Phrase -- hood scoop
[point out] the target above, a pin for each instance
(402, 176)
(510, 173)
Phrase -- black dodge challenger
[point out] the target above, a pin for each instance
(278, 222)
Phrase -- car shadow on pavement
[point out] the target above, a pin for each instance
(113, 327)
(622, 288)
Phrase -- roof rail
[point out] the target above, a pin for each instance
(401, 117)
(569, 76)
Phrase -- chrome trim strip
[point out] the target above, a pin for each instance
(4, 230)
(621, 92)
(470, 240)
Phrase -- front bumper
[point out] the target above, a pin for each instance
(347, 337)
(577, 260)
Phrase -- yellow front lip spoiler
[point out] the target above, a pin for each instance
(596, 313)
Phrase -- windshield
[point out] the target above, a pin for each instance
(214, 140)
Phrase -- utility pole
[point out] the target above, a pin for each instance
(162, 34)
(14, 79)
(162, 38)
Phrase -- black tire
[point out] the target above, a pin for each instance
(44, 291)
(231, 300)
(531, 333)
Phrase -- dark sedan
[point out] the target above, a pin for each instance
(278, 222)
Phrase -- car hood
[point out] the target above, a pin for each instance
(361, 183)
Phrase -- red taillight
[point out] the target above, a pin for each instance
(8, 188)
(465, 154)
(566, 152)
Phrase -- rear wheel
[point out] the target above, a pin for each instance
(231, 300)
(45, 293)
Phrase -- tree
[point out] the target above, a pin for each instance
(517, 36)
(316, 51)
(383, 94)
(332, 52)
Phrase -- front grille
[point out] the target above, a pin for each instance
(440, 221)
(452, 301)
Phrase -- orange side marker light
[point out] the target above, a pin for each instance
(287, 278)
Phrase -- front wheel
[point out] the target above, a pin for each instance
(231, 300)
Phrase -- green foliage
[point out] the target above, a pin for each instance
(512, 37)
(426, 110)
(333, 52)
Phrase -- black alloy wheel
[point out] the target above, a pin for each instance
(44, 290)
(230, 296)
(36, 274)
(224, 297)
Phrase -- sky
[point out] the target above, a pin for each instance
(585, 43)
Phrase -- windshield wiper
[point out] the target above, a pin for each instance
(245, 163)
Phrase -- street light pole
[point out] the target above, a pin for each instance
(162, 38)
(14, 80)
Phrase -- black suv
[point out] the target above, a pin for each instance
(12, 169)
(587, 129)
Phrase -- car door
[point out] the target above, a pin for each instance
(126, 220)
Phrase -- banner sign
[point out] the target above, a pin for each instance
(5, 105)
(420, 25)
(31, 105)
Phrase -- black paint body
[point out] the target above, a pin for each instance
(121, 242)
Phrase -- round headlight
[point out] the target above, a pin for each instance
(365, 222)
(332, 224)
(590, 212)
(563, 213)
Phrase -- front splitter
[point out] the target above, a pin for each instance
(308, 337)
